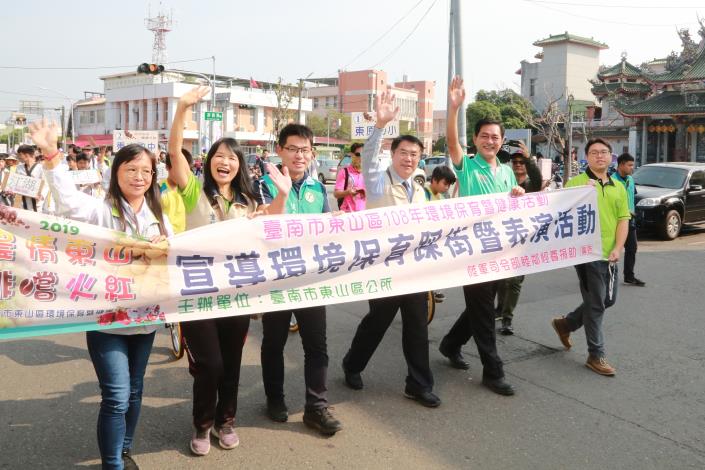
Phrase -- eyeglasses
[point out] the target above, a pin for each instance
(357, 154)
(404, 154)
(133, 172)
(594, 153)
(301, 150)
(518, 162)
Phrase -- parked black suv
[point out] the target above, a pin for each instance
(669, 195)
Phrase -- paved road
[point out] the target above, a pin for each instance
(651, 416)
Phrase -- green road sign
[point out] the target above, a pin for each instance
(214, 116)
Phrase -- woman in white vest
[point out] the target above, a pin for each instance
(215, 345)
(119, 355)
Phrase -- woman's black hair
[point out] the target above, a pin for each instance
(241, 184)
(152, 196)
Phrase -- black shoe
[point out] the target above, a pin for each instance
(127, 462)
(455, 357)
(353, 379)
(635, 282)
(277, 411)
(323, 421)
(427, 399)
(498, 386)
(506, 328)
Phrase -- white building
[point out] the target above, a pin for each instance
(135, 101)
(566, 64)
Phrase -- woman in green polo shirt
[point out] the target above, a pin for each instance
(214, 345)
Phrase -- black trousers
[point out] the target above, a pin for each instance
(630, 247)
(214, 349)
(414, 338)
(312, 329)
(477, 320)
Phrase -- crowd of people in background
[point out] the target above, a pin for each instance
(220, 185)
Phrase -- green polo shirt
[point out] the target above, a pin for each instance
(475, 177)
(612, 206)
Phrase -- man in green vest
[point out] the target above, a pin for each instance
(481, 175)
(307, 196)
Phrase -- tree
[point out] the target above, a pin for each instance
(439, 147)
(504, 105)
(282, 114)
(480, 110)
(319, 124)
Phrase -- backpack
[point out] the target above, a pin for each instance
(345, 186)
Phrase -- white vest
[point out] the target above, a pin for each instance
(395, 194)
(205, 214)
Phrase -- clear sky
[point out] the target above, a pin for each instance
(266, 39)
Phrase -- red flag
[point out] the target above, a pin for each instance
(253, 83)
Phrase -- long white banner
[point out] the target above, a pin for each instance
(58, 275)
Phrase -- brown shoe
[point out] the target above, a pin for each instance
(599, 365)
(561, 327)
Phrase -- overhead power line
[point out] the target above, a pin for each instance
(407, 36)
(391, 28)
(30, 67)
(604, 20)
(603, 5)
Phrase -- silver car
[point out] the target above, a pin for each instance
(327, 169)
(433, 162)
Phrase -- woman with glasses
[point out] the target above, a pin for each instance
(119, 355)
(214, 345)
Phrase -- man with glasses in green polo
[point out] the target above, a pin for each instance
(598, 279)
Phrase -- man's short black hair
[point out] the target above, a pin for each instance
(297, 130)
(443, 172)
(488, 122)
(187, 154)
(70, 158)
(355, 146)
(594, 141)
(26, 149)
(406, 138)
(624, 158)
(83, 157)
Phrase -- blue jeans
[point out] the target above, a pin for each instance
(598, 287)
(120, 362)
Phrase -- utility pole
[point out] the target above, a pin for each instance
(63, 126)
(457, 46)
(212, 123)
(568, 162)
(301, 91)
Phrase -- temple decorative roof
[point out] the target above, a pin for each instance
(601, 89)
(622, 69)
(671, 103)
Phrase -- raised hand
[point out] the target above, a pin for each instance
(193, 96)
(44, 135)
(281, 179)
(386, 109)
(456, 92)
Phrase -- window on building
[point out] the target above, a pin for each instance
(250, 117)
(315, 103)
(166, 113)
(532, 86)
(156, 111)
(335, 101)
(100, 116)
(194, 112)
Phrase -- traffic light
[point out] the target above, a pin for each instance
(151, 69)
